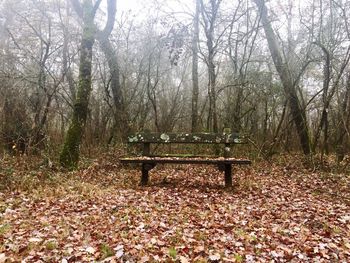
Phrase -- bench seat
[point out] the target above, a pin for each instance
(181, 160)
(148, 163)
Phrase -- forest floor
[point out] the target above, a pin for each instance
(276, 212)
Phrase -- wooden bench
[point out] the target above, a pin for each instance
(149, 161)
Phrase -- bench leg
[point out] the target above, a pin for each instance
(144, 176)
(228, 175)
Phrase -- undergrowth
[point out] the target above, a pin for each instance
(32, 173)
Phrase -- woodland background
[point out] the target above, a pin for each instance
(281, 77)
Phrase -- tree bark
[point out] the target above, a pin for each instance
(289, 85)
(65, 52)
(195, 84)
(343, 124)
(69, 157)
(209, 19)
(326, 101)
(120, 118)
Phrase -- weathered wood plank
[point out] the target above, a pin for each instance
(204, 138)
(155, 160)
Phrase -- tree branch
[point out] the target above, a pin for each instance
(96, 6)
(111, 7)
(77, 7)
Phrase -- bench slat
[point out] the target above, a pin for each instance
(184, 160)
(205, 138)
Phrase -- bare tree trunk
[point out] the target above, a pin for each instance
(151, 93)
(327, 95)
(326, 101)
(39, 122)
(120, 118)
(209, 18)
(344, 121)
(213, 121)
(276, 135)
(66, 67)
(69, 157)
(298, 113)
(195, 84)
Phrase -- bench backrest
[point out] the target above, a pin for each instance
(148, 138)
(200, 138)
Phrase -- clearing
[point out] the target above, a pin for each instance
(280, 212)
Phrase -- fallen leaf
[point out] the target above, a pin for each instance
(90, 250)
(119, 247)
(183, 259)
(119, 253)
(144, 259)
(35, 240)
(214, 257)
(160, 243)
(3, 258)
(198, 249)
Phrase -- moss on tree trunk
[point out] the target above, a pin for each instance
(69, 157)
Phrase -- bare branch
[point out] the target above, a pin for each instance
(96, 6)
(110, 20)
(77, 7)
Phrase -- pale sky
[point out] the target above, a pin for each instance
(143, 6)
(134, 5)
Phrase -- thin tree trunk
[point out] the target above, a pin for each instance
(212, 89)
(120, 118)
(209, 18)
(67, 71)
(276, 136)
(195, 84)
(324, 116)
(343, 124)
